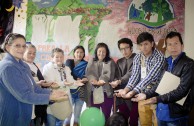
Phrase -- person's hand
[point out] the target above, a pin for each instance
(44, 83)
(139, 97)
(120, 92)
(54, 85)
(78, 83)
(40, 82)
(152, 100)
(67, 83)
(114, 84)
(129, 95)
(101, 82)
(94, 82)
(58, 95)
(84, 80)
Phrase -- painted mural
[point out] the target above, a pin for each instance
(67, 23)
(6, 18)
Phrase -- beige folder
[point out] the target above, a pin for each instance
(168, 83)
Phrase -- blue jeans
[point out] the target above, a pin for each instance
(180, 122)
(53, 121)
(78, 104)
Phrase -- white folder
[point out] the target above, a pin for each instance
(168, 83)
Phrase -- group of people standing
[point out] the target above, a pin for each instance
(147, 71)
(133, 79)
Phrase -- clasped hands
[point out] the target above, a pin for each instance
(44, 83)
(136, 98)
(115, 83)
(58, 95)
(124, 93)
(97, 83)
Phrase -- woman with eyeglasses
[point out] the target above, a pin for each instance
(18, 90)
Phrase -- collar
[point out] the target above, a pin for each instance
(131, 56)
(153, 53)
(171, 62)
(20, 64)
(170, 59)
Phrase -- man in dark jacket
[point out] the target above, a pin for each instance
(125, 106)
(168, 111)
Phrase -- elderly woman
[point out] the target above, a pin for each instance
(29, 57)
(56, 71)
(100, 71)
(18, 90)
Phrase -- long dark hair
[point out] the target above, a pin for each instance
(107, 57)
(79, 47)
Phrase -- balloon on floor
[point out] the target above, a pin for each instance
(92, 117)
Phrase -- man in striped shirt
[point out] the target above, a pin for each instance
(147, 66)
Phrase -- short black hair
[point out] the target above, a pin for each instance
(107, 57)
(126, 41)
(173, 34)
(145, 36)
(117, 119)
(79, 47)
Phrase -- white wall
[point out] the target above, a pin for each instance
(189, 28)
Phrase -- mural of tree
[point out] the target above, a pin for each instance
(161, 7)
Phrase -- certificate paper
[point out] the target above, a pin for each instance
(168, 83)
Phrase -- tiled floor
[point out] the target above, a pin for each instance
(84, 107)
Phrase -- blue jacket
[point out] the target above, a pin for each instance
(18, 92)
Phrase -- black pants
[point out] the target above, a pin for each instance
(41, 115)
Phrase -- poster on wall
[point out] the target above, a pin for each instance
(68, 23)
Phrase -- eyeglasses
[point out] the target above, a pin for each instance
(124, 49)
(18, 46)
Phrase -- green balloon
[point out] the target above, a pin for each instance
(92, 117)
